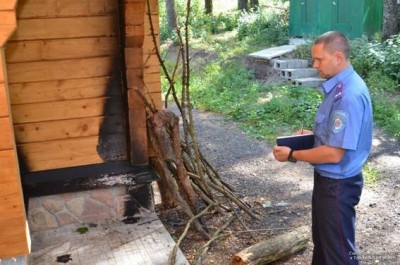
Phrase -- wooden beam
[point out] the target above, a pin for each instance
(5, 33)
(150, 60)
(156, 21)
(134, 58)
(59, 28)
(156, 97)
(139, 146)
(38, 50)
(7, 139)
(46, 91)
(14, 240)
(8, 17)
(3, 100)
(66, 129)
(60, 154)
(63, 110)
(60, 70)
(148, 44)
(153, 7)
(8, 4)
(51, 8)
(74, 179)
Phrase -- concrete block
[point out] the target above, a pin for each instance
(309, 81)
(290, 64)
(291, 74)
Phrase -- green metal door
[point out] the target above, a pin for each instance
(372, 19)
(346, 16)
(352, 17)
(303, 17)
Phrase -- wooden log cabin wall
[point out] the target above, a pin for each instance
(66, 93)
(14, 234)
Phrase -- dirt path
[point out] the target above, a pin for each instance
(259, 179)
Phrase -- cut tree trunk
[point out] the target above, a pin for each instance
(273, 249)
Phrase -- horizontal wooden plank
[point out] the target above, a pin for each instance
(156, 22)
(3, 101)
(152, 78)
(150, 60)
(156, 98)
(148, 44)
(51, 8)
(134, 7)
(45, 91)
(60, 28)
(8, 17)
(133, 57)
(153, 7)
(134, 41)
(154, 87)
(5, 33)
(15, 239)
(63, 110)
(37, 50)
(8, 4)
(7, 140)
(74, 128)
(134, 30)
(139, 146)
(134, 19)
(152, 82)
(60, 154)
(60, 70)
(13, 230)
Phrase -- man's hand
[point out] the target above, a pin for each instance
(304, 131)
(281, 153)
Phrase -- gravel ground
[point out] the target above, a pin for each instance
(249, 165)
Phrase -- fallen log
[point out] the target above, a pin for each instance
(273, 249)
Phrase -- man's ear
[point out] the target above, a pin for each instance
(339, 57)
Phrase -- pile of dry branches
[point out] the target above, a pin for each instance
(187, 178)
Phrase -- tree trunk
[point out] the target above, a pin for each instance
(171, 14)
(254, 4)
(243, 5)
(273, 249)
(168, 199)
(208, 7)
(390, 18)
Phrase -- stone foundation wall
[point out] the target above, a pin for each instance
(90, 206)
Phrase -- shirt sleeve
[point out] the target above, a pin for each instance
(345, 122)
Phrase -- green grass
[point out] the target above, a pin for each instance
(371, 174)
(224, 85)
(264, 111)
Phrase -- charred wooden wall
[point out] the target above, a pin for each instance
(62, 67)
(67, 80)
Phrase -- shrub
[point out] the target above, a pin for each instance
(262, 26)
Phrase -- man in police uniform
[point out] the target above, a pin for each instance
(342, 142)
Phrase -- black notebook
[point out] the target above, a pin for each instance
(296, 142)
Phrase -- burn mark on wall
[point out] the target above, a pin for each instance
(112, 145)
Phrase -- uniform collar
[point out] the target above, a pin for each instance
(333, 81)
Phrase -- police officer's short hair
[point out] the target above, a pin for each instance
(334, 41)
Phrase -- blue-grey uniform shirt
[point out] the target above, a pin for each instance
(344, 120)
